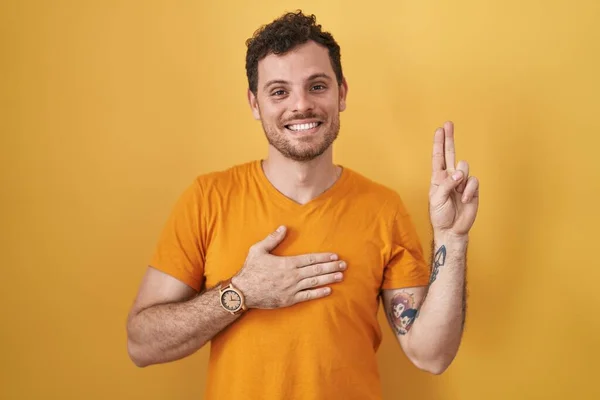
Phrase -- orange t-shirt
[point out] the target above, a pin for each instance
(315, 350)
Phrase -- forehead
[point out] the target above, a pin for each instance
(296, 65)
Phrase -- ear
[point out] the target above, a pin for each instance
(343, 94)
(253, 101)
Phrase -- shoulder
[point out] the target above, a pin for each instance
(228, 177)
(375, 192)
(208, 191)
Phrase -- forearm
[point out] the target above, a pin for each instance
(436, 332)
(168, 332)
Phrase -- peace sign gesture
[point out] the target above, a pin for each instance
(453, 195)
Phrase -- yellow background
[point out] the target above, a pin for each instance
(110, 108)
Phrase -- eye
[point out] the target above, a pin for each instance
(318, 87)
(279, 92)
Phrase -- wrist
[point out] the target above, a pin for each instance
(451, 241)
(240, 284)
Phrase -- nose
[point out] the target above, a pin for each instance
(302, 102)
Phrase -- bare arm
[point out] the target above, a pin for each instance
(433, 340)
(430, 335)
(170, 321)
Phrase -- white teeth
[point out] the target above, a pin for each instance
(303, 127)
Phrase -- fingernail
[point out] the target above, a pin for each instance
(464, 199)
(327, 290)
(338, 276)
(342, 265)
(334, 257)
(280, 229)
(457, 175)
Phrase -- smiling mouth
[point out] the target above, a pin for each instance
(303, 127)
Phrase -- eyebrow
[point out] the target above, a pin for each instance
(284, 82)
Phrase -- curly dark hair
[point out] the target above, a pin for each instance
(281, 36)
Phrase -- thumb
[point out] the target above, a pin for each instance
(272, 240)
(449, 184)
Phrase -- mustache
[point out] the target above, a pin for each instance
(296, 117)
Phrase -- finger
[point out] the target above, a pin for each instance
(310, 259)
(464, 167)
(447, 186)
(321, 269)
(471, 190)
(319, 280)
(272, 240)
(437, 159)
(449, 145)
(312, 294)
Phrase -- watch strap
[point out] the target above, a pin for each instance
(226, 283)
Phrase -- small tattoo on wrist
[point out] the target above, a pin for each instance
(438, 261)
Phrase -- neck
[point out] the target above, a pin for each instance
(301, 181)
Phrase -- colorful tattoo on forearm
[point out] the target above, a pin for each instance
(439, 260)
(402, 312)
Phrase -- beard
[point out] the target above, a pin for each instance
(302, 148)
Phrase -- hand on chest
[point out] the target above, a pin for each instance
(362, 250)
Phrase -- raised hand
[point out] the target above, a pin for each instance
(268, 281)
(453, 194)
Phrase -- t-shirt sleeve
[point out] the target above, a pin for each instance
(407, 266)
(180, 249)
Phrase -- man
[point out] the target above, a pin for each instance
(292, 313)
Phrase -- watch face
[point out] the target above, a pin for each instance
(231, 300)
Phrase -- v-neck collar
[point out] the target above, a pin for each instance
(285, 201)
